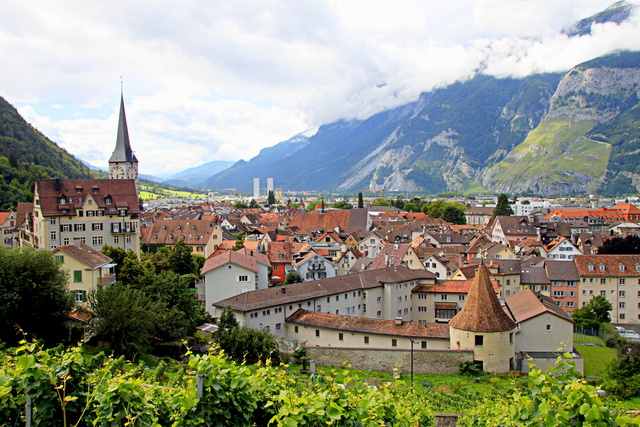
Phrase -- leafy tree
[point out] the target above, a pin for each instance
(181, 259)
(502, 207)
(271, 198)
(131, 270)
(342, 204)
(240, 205)
(628, 245)
(454, 212)
(292, 277)
(253, 204)
(33, 296)
(360, 200)
(126, 317)
(592, 315)
(117, 254)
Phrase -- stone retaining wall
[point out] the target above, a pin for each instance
(424, 361)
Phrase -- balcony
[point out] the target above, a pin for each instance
(108, 279)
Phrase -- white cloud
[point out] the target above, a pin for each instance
(216, 80)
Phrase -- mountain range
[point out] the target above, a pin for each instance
(545, 134)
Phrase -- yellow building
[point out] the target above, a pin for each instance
(87, 267)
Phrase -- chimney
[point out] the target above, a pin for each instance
(386, 259)
(399, 321)
(284, 290)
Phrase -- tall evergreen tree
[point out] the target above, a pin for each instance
(360, 200)
(271, 198)
(503, 207)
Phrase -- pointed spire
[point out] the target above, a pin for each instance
(123, 152)
(482, 311)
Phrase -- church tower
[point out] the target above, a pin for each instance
(123, 164)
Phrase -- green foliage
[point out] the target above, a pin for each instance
(448, 211)
(471, 368)
(502, 207)
(342, 205)
(271, 198)
(27, 155)
(629, 245)
(244, 344)
(181, 259)
(360, 200)
(292, 277)
(594, 314)
(34, 299)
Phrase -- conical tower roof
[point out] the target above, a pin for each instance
(482, 311)
(123, 152)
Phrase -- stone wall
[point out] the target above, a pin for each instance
(424, 361)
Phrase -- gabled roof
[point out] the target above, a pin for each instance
(363, 325)
(482, 311)
(608, 265)
(170, 232)
(85, 254)
(562, 270)
(451, 287)
(244, 258)
(525, 305)
(295, 292)
(122, 192)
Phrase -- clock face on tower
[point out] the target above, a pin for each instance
(132, 171)
(117, 172)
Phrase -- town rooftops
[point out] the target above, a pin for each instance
(608, 265)
(243, 258)
(57, 197)
(170, 232)
(482, 311)
(369, 326)
(85, 254)
(295, 292)
(451, 287)
(526, 304)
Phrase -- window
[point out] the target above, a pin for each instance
(278, 326)
(571, 304)
(243, 278)
(443, 297)
(77, 276)
(603, 293)
(60, 258)
(340, 336)
(366, 340)
(461, 297)
(116, 240)
(127, 238)
(399, 299)
(603, 281)
(623, 316)
(622, 281)
(81, 296)
(422, 309)
(96, 226)
(548, 327)
(296, 329)
(379, 299)
(66, 227)
(96, 240)
(422, 296)
(622, 294)
(394, 342)
(52, 221)
(423, 344)
(510, 337)
(479, 340)
(54, 235)
(317, 332)
(78, 227)
(622, 305)
(379, 313)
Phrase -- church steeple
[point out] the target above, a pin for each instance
(123, 164)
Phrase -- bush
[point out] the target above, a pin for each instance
(470, 368)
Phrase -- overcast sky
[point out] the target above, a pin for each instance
(219, 80)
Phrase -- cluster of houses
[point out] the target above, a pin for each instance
(375, 280)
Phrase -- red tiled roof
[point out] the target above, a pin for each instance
(303, 291)
(369, 326)
(608, 265)
(452, 287)
(122, 191)
(85, 254)
(243, 258)
(169, 232)
(526, 305)
(482, 311)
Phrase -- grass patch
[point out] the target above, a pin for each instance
(596, 359)
(582, 339)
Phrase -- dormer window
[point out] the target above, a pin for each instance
(122, 212)
(79, 190)
(621, 267)
(602, 267)
(108, 200)
(170, 236)
(63, 200)
(164, 227)
(95, 190)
